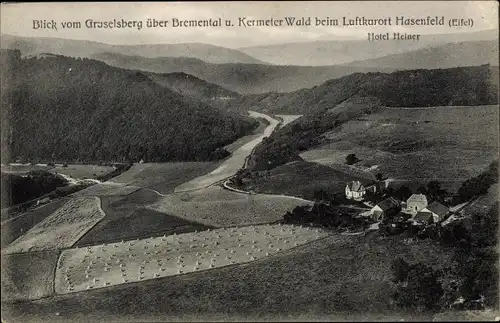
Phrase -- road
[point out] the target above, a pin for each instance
(227, 187)
(234, 163)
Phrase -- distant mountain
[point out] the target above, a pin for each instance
(83, 48)
(476, 85)
(241, 78)
(335, 52)
(60, 108)
(449, 55)
(191, 86)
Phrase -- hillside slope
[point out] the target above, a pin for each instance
(413, 88)
(449, 55)
(85, 48)
(342, 51)
(193, 86)
(241, 78)
(337, 101)
(60, 108)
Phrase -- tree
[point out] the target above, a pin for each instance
(421, 289)
(422, 190)
(400, 269)
(435, 192)
(320, 194)
(351, 159)
(403, 193)
(237, 181)
(476, 258)
(379, 176)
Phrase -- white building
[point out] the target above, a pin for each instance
(355, 191)
(416, 203)
(385, 208)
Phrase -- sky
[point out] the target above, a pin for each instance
(17, 19)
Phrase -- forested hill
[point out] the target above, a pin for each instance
(241, 78)
(476, 85)
(60, 108)
(337, 101)
(190, 85)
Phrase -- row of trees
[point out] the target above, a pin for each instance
(325, 215)
(478, 185)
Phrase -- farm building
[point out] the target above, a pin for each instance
(433, 213)
(382, 210)
(415, 203)
(422, 218)
(355, 190)
(438, 211)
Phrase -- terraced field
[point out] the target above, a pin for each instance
(62, 228)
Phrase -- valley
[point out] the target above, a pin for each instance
(234, 163)
(340, 180)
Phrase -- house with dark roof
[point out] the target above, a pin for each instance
(384, 209)
(355, 190)
(438, 211)
(433, 213)
(422, 218)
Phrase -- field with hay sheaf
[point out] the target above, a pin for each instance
(130, 261)
(345, 275)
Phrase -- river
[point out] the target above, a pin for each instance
(237, 160)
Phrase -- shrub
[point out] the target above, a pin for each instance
(420, 290)
(400, 268)
(351, 159)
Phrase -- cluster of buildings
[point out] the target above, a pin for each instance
(416, 208)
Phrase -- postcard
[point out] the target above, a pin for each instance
(249, 161)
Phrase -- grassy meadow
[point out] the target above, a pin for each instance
(447, 144)
(339, 275)
(215, 206)
(28, 275)
(164, 177)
